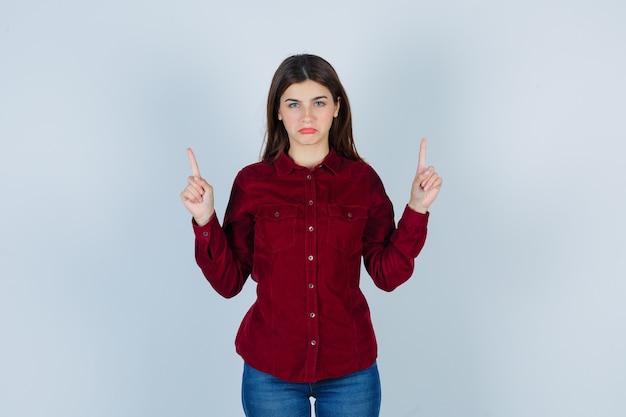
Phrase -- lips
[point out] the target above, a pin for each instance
(307, 130)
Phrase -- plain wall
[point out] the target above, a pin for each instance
(516, 307)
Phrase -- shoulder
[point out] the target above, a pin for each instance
(359, 168)
(255, 171)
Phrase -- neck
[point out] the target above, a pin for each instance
(308, 158)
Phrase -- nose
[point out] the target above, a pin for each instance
(306, 115)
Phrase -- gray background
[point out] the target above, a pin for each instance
(516, 307)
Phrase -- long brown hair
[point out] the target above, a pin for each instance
(297, 69)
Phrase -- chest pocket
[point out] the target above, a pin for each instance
(275, 227)
(345, 228)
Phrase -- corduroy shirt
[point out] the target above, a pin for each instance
(301, 234)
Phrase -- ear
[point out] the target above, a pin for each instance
(280, 116)
(337, 105)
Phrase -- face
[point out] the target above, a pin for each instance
(307, 110)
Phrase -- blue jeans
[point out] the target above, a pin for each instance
(353, 395)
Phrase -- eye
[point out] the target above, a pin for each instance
(320, 104)
(293, 105)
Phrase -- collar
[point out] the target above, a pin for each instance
(285, 165)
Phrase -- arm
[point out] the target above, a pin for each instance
(225, 269)
(389, 252)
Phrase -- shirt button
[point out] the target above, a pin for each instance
(311, 286)
(276, 214)
(205, 233)
(313, 342)
(308, 177)
(310, 202)
(310, 258)
(312, 315)
(311, 228)
(349, 214)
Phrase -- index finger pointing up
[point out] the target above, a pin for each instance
(421, 164)
(194, 165)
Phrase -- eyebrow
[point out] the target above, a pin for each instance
(313, 99)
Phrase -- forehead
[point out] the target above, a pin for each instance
(308, 89)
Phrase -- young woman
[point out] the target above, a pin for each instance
(299, 222)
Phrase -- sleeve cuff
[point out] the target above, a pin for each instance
(204, 232)
(414, 219)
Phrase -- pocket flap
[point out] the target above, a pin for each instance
(281, 212)
(347, 213)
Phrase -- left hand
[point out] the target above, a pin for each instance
(426, 184)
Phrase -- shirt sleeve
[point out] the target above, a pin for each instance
(389, 252)
(224, 254)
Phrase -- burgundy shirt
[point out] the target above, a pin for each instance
(300, 234)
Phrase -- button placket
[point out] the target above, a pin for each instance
(310, 247)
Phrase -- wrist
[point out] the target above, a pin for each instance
(418, 208)
(203, 220)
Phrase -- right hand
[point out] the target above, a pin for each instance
(198, 195)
